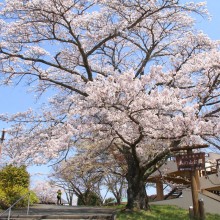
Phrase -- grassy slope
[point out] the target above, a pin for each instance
(159, 212)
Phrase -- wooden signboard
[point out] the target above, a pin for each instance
(192, 161)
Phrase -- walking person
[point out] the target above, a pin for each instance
(59, 194)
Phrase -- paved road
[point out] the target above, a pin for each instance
(44, 209)
(57, 209)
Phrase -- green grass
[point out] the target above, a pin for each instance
(160, 212)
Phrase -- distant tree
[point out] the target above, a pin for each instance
(45, 191)
(105, 172)
(64, 185)
(115, 175)
(77, 179)
(117, 185)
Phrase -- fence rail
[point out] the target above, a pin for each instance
(10, 208)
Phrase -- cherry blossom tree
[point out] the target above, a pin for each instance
(116, 184)
(129, 77)
(57, 180)
(77, 178)
(45, 191)
(99, 175)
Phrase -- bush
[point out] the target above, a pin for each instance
(14, 183)
(12, 195)
(11, 176)
(110, 201)
(33, 198)
(89, 199)
(3, 200)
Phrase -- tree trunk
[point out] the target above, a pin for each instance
(137, 196)
(136, 193)
(70, 199)
(118, 200)
(117, 196)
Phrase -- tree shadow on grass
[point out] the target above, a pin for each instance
(156, 213)
(160, 212)
(169, 212)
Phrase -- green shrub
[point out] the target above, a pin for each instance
(109, 201)
(11, 176)
(89, 199)
(14, 183)
(12, 195)
(3, 200)
(33, 198)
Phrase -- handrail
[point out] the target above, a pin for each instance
(9, 209)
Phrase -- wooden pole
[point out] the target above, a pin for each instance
(195, 197)
(197, 181)
(194, 189)
(159, 187)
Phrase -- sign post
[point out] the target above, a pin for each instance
(192, 162)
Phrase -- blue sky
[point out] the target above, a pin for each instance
(16, 99)
(212, 28)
